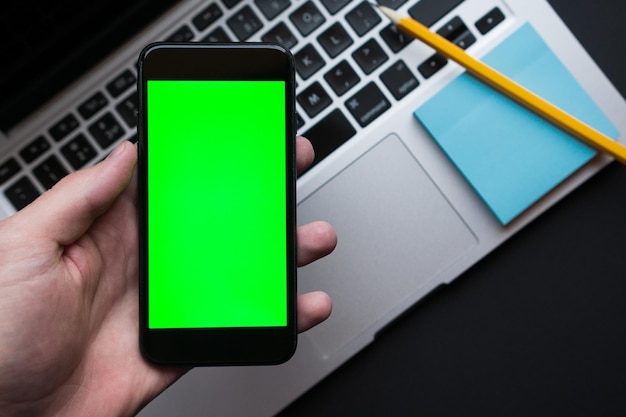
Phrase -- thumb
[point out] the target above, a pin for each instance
(67, 210)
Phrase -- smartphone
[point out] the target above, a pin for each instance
(217, 204)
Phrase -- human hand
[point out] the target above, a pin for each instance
(69, 296)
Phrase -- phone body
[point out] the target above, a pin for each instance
(217, 226)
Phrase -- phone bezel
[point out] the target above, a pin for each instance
(217, 346)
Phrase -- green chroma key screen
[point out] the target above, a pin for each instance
(217, 234)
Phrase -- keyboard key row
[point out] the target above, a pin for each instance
(370, 56)
(306, 19)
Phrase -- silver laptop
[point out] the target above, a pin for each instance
(408, 219)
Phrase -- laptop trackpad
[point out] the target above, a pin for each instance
(395, 230)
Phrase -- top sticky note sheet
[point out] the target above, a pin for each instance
(511, 156)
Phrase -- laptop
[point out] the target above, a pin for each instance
(409, 214)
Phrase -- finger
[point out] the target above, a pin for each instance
(304, 153)
(313, 308)
(315, 240)
(67, 210)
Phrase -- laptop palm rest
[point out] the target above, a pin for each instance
(364, 203)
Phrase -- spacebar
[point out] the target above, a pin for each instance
(329, 134)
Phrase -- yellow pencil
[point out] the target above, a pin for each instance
(505, 85)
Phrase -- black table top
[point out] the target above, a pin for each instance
(536, 328)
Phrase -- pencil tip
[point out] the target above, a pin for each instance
(394, 16)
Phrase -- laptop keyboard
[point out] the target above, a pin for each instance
(348, 74)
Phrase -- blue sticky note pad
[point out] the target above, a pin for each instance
(511, 156)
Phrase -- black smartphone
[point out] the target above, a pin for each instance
(217, 204)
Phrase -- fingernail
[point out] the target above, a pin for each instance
(117, 151)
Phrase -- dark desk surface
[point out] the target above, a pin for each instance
(536, 328)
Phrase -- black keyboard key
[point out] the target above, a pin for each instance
(363, 18)
(183, 34)
(342, 78)
(217, 36)
(392, 4)
(330, 133)
(452, 29)
(22, 193)
(282, 35)
(333, 6)
(92, 105)
(367, 104)
(490, 20)
(307, 18)
(272, 8)
(335, 40)
(106, 130)
(308, 61)
(395, 39)
(127, 108)
(399, 80)
(456, 32)
(49, 172)
(433, 64)
(465, 40)
(78, 152)
(8, 169)
(34, 149)
(370, 56)
(206, 17)
(63, 127)
(121, 83)
(244, 23)
(230, 3)
(428, 12)
(314, 99)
